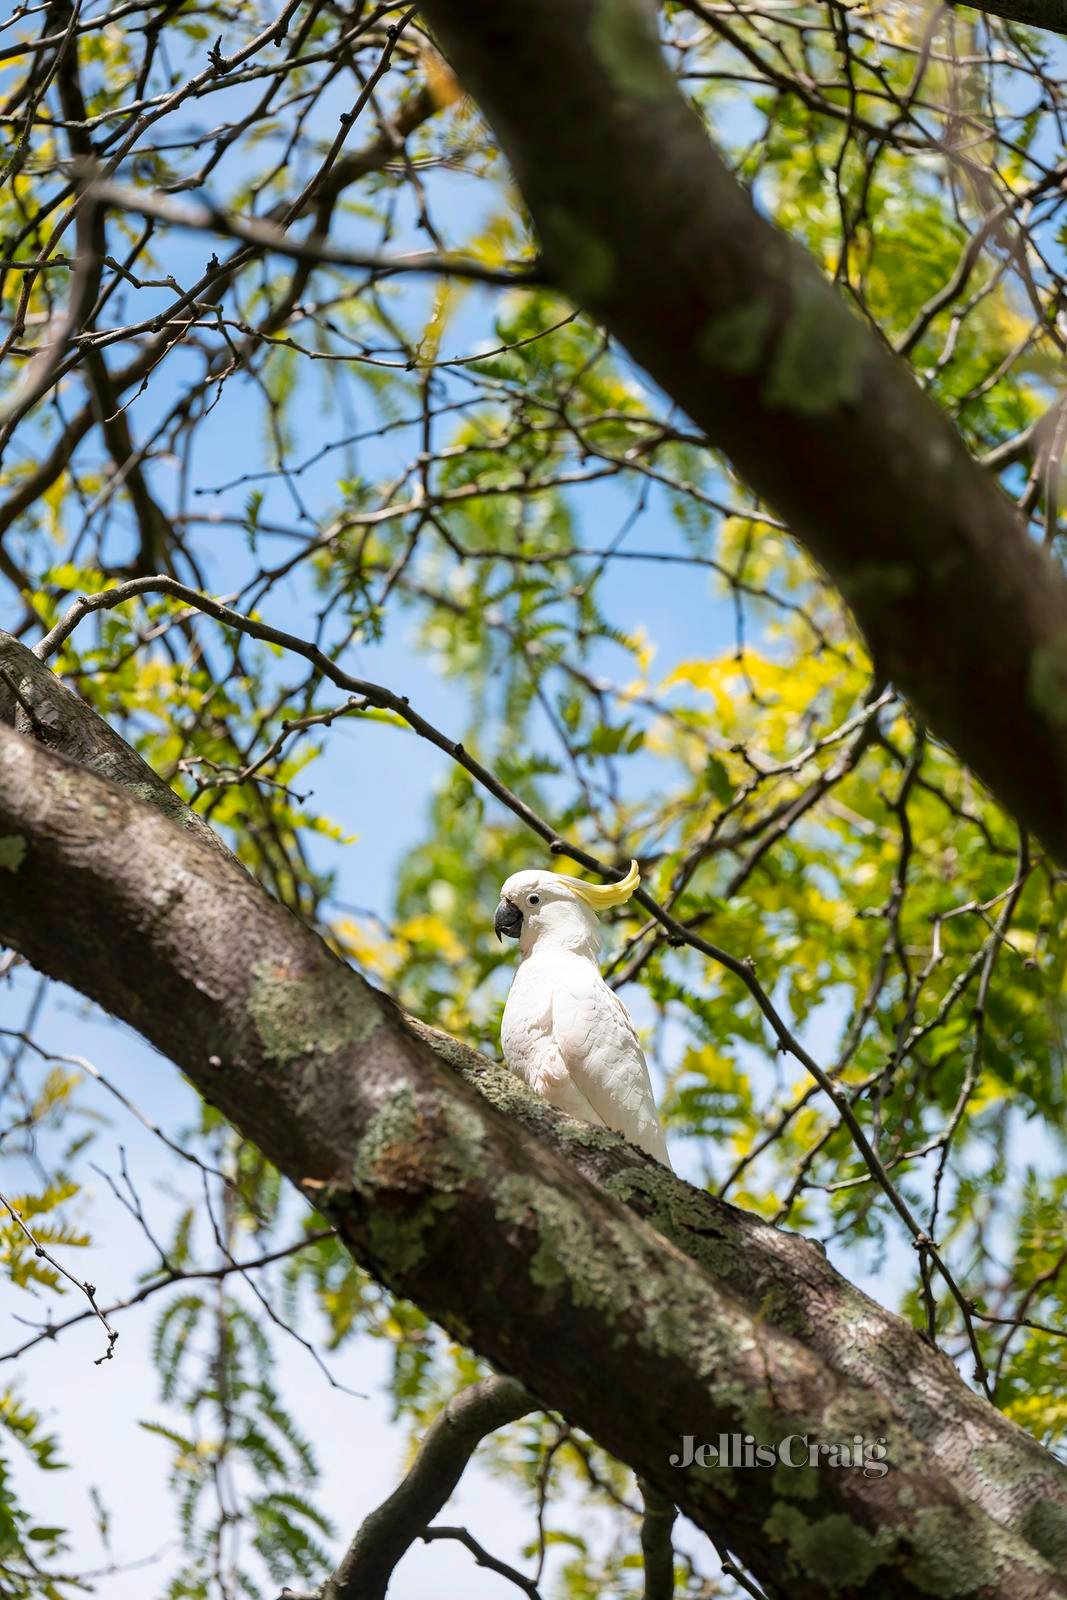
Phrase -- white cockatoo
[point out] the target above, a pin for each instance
(564, 1031)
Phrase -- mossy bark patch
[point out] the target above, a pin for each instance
(624, 42)
(12, 851)
(817, 366)
(734, 341)
(299, 1013)
(949, 1560)
(1048, 680)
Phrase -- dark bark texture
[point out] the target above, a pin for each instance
(616, 1293)
(642, 223)
(1048, 14)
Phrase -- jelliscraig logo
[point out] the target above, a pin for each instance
(869, 1456)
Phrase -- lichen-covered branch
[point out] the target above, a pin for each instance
(378, 695)
(564, 1257)
(35, 702)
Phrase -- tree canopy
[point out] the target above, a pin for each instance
(666, 439)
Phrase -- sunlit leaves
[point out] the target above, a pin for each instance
(21, 1255)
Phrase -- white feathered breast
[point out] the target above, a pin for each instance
(572, 1040)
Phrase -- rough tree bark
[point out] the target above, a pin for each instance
(1049, 14)
(642, 223)
(640, 1307)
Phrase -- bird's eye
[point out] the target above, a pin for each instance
(534, 900)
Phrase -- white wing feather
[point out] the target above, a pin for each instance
(530, 1049)
(571, 1038)
(599, 1044)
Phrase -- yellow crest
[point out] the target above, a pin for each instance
(603, 895)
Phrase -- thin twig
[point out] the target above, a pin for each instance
(87, 1289)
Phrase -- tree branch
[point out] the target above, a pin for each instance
(656, 1547)
(87, 1289)
(642, 222)
(321, 199)
(451, 1440)
(552, 1248)
(1048, 14)
(34, 701)
(378, 695)
(483, 1558)
(315, 250)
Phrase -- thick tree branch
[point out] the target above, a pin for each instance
(34, 701)
(451, 1440)
(642, 222)
(378, 695)
(1048, 14)
(553, 1249)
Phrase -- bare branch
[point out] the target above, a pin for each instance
(314, 250)
(174, 1275)
(483, 1558)
(657, 1522)
(450, 1441)
(87, 1289)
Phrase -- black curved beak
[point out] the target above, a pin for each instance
(508, 920)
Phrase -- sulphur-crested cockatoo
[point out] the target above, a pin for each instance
(564, 1031)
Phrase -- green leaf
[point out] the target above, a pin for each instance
(718, 780)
